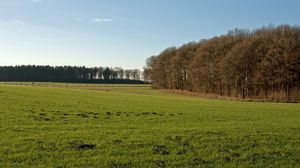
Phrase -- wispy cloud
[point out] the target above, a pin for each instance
(19, 22)
(99, 20)
(36, 1)
(79, 19)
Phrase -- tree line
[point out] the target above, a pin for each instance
(259, 64)
(76, 74)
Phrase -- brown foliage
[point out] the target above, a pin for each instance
(262, 64)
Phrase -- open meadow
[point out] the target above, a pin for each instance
(85, 125)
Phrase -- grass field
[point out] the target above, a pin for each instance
(72, 125)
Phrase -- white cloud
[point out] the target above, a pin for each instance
(99, 20)
(19, 22)
(36, 1)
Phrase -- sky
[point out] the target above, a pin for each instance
(123, 32)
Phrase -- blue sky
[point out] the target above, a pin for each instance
(123, 32)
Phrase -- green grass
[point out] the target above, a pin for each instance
(47, 124)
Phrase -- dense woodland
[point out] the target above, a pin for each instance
(74, 74)
(259, 64)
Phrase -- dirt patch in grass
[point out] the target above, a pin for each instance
(83, 115)
(182, 144)
(160, 163)
(41, 117)
(182, 152)
(148, 114)
(196, 161)
(236, 155)
(227, 159)
(80, 145)
(160, 149)
(93, 113)
(108, 115)
(88, 114)
(117, 141)
(86, 146)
